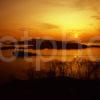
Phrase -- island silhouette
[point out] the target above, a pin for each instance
(43, 44)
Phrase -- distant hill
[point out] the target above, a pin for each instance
(51, 44)
(47, 44)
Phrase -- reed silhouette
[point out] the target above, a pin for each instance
(77, 69)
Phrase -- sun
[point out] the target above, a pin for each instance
(76, 35)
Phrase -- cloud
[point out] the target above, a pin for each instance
(90, 4)
(96, 17)
(49, 26)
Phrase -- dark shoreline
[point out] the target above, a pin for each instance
(51, 88)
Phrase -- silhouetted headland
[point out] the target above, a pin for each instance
(45, 44)
(95, 46)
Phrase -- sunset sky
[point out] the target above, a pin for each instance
(73, 18)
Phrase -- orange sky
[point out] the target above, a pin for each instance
(74, 18)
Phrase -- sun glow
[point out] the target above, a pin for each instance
(76, 35)
(75, 22)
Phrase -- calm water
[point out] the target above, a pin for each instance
(65, 55)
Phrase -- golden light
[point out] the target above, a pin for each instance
(76, 35)
(71, 22)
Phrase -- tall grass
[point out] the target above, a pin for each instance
(78, 69)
